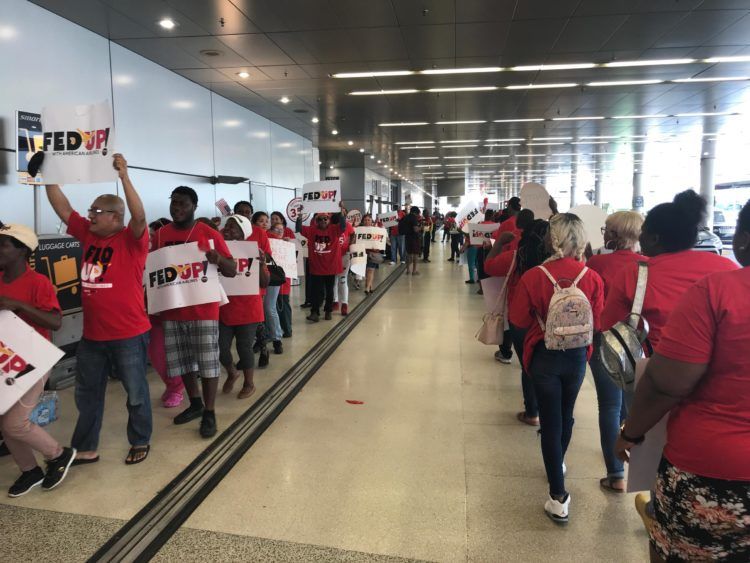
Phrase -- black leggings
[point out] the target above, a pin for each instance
(321, 288)
(245, 334)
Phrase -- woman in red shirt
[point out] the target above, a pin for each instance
(283, 305)
(239, 319)
(621, 232)
(557, 375)
(262, 221)
(32, 297)
(699, 376)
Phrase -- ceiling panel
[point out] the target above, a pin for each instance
(697, 28)
(427, 41)
(218, 17)
(163, 51)
(257, 49)
(588, 33)
(482, 39)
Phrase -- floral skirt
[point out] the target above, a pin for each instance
(700, 518)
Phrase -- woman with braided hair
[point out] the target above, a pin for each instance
(557, 375)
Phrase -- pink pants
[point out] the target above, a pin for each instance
(22, 436)
(158, 357)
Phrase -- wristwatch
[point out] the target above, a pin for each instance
(636, 441)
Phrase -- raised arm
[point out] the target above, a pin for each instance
(132, 199)
(59, 202)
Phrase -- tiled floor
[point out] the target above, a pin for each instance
(432, 466)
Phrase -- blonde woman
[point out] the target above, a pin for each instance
(621, 232)
(557, 375)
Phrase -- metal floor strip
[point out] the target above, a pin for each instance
(142, 536)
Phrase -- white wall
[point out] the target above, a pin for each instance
(162, 122)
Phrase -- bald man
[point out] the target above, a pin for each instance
(115, 324)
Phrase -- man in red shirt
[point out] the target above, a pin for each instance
(191, 333)
(324, 257)
(115, 324)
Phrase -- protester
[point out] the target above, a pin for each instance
(409, 225)
(191, 333)
(699, 377)
(427, 229)
(284, 305)
(157, 354)
(374, 258)
(32, 298)
(239, 318)
(341, 283)
(261, 221)
(621, 232)
(455, 235)
(667, 237)
(244, 208)
(277, 232)
(557, 374)
(115, 324)
(398, 240)
(261, 237)
(436, 221)
(324, 255)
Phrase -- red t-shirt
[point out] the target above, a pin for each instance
(289, 234)
(394, 228)
(111, 282)
(324, 250)
(498, 266)
(508, 226)
(200, 233)
(34, 289)
(708, 433)
(533, 294)
(345, 237)
(242, 310)
(609, 265)
(669, 277)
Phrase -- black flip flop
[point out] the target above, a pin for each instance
(84, 461)
(136, 450)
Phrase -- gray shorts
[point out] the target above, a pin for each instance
(192, 347)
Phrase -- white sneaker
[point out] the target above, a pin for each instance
(556, 510)
(500, 358)
(565, 469)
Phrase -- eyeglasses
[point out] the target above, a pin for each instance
(97, 211)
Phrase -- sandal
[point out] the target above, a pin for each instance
(606, 484)
(84, 460)
(531, 421)
(229, 383)
(134, 452)
(246, 392)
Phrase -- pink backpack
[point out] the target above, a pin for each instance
(570, 319)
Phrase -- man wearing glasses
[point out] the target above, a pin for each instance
(115, 324)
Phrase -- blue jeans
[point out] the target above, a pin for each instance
(273, 324)
(612, 413)
(96, 360)
(471, 260)
(557, 376)
(530, 407)
(398, 247)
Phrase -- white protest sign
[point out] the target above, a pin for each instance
(536, 198)
(470, 212)
(301, 244)
(180, 276)
(292, 210)
(359, 259)
(321, 197)
(480, 232)
(25, 357)
(388, 218)
(593, 218)
(354, 217)
(247, 280)
(492, 206)
(373, 238)
(78, 144)
(285, 255)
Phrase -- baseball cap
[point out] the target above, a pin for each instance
(244, 223)
(22, 234)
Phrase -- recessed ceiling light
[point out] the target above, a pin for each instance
(243, 74)
(582, 118)
(350, 143)
(380, 162)
(334, 132)
(373, 74)
(315, 120)
(460, 122)
(461, 141)
(167, 23)
(284, 100)
(403, 124)
(461, 70)
(655, 62)
(624, 83)
(381, 92)
(464, 89)
(331, 167)
(182, 104)
(524, 120)
(712, 79)
(573, 66)
(319, 163)
(372, 157)
(541, 86)
(232, 123)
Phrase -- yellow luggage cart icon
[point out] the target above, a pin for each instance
(63, 273)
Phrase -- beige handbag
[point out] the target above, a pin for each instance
(493, 325)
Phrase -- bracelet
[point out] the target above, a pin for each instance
(627, 438)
